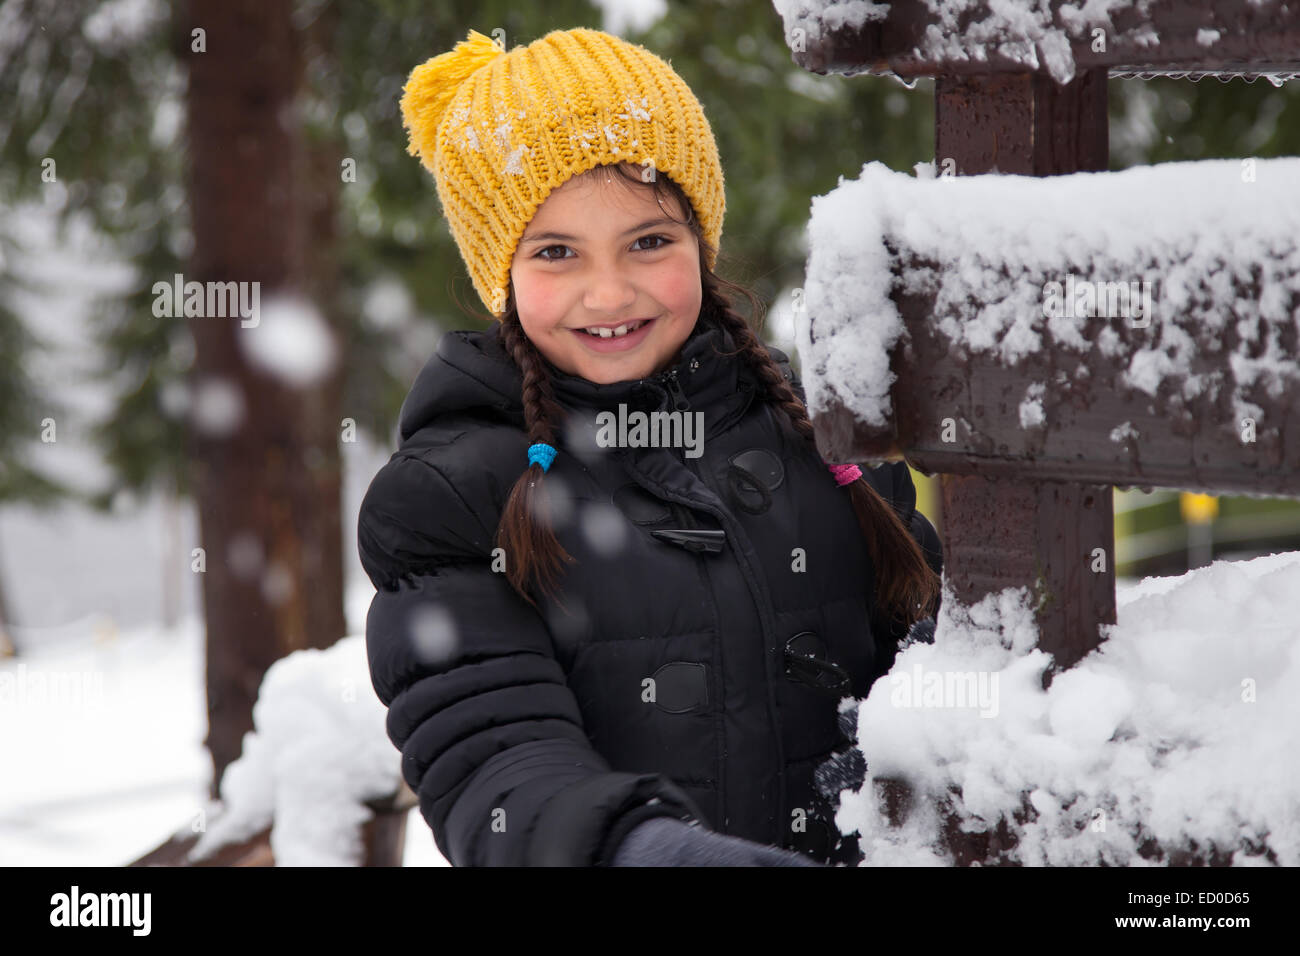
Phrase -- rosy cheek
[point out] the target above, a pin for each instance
(678, 287)
(538, 298)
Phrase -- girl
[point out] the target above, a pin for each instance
(620, 595)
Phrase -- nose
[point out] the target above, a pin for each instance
(609, 292)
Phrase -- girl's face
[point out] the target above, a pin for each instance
(605, 253)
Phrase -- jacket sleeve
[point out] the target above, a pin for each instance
(490, 734)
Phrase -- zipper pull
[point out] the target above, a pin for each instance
(675, 390)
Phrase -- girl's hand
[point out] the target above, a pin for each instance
(922, 632)
(665, 841)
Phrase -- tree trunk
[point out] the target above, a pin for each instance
(268, 487)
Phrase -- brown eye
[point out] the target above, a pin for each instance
(550, 258)
(664, 243)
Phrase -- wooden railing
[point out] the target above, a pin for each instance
(1025, 507)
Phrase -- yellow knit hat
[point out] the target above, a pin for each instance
(499, 130)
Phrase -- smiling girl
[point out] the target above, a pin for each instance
(624, 655)
(629, 273)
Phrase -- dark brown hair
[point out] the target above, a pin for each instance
(906, 586)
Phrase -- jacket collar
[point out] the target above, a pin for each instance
(705, 376)
(471, 373)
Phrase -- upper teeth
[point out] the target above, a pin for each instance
(610, 333)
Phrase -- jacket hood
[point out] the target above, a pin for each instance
(471, 372)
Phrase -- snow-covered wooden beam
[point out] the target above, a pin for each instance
(933, 292)
(317, 782)
(1126, 37)
(1131, 328)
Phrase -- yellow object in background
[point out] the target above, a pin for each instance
(1198, 509)
(927, 496)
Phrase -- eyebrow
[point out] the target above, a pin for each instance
(648, 224)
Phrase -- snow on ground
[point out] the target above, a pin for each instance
(1181, 726)
(101, 741)
(103, 714)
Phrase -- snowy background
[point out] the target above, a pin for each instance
(103, 769)
(1158, 731)
(1154, 730)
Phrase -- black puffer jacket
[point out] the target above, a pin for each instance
(674, 680)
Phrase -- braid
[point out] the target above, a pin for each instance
(540, 407)
(526, 533)
(756, 356)
(906, 587)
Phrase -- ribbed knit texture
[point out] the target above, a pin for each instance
(499, 130)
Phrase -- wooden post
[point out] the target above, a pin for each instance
(1011, 532)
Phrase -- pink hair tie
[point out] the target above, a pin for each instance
(845, 473)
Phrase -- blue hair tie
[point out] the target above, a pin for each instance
(541, 454)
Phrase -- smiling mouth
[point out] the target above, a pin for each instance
(616, 332)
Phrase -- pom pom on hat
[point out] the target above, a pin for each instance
(433, 84)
